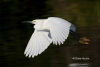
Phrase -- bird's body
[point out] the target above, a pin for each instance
(52, 29)
(42, 24)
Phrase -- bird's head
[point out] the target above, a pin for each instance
(38, 20)
(32, 22)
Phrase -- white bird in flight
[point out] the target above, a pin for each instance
(52, 29)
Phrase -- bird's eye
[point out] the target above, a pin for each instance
(34, 20)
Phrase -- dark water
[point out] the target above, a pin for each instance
(14, 35)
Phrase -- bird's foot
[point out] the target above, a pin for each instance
(84, 40)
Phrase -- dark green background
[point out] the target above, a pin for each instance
(14, 36)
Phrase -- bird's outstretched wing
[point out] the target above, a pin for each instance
(59, 29)
(38, 42)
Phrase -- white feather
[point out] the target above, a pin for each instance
(49, 30)
(38, 42)
(59, 29)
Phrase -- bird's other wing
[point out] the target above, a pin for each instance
(38, 42)
(59, 29)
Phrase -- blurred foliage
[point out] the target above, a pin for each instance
(81, 12)
(14, 35)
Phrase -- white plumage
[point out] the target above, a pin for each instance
(52, 29)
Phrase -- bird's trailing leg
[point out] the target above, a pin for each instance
(82, 40)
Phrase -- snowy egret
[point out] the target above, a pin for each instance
(52, 29)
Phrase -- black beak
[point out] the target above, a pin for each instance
(27, 22)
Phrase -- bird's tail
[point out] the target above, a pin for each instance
(84, 40)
